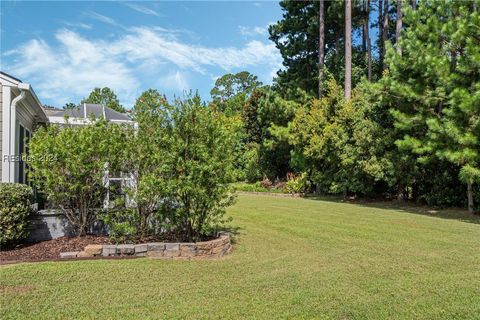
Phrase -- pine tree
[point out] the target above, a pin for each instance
(437, 83)
(297, 36)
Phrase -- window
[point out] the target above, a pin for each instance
(28, 135)
(24, 136)
(21, 150)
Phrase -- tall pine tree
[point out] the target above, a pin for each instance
(436, 81)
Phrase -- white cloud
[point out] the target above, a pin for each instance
(253, 31)
(104, 19)
(174, 80)
(142, 9)
(72, 69)
(67, 70)
(146, 44)
(78, 25)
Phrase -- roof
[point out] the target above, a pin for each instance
(17, 84)
(87, 110)
(10, 76)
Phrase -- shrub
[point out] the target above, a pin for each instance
(73, 179)
(15, 207)
(181, 160)
(122, 225)
(266, 183)
(201, 167)
(296, 183)
(252, 168)
(249, 187)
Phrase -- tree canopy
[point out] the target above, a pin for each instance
(104, 96)
(232, 90)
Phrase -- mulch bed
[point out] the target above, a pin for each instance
(48, 250)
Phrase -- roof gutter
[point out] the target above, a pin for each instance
(24, 88)
(40, 112)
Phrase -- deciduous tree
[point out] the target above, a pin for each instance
(104, 96)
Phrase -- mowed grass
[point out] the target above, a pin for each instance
(293, 258)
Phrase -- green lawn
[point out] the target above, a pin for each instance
(294, 258)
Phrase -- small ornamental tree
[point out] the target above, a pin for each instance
(69, 162)
(180, 158)
(147, 162)
(200, 157)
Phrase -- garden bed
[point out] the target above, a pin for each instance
(101, 247)
(48, 250)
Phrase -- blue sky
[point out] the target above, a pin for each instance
(65, 49)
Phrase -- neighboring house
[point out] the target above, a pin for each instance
(83, 114)
(20, 114)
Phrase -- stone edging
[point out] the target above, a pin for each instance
(179, 251)
(274, 194)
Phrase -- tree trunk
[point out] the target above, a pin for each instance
(364, 29)
(321, 48)
(369, 44)
(83, 223)
(415, 192)
(348, 49)
(414, 4)
(471, 207)
(380, 33)
(401, 193)
(83, 220)
(385, 31)
(398, 28)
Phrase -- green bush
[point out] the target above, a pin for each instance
(73, 179)
(182, 162)
(258, 187)
(296, 184)
(249, 187)
(252, 169)
(122, 225)
(15, 207)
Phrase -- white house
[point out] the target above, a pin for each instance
(20, 114)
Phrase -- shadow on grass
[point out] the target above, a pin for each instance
(450, 213)
(234, 231)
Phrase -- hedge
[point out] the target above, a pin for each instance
(15, 207)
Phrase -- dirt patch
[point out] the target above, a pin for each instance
(48, 250)
(16, 289)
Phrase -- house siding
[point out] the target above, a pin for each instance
(1, 128)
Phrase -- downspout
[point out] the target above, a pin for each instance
(13, 129)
